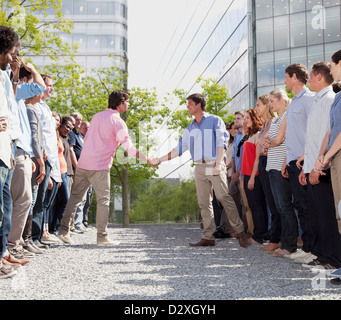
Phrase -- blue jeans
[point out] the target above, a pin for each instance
(38, 210)
(7, 207)
(281, 192)
(3, 177)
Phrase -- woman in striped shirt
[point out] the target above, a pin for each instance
(280, 187)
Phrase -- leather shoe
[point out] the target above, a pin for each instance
(203, 243)
(243, 240)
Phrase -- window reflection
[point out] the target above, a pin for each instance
(298, 29)
(263, 8)
(264, 35)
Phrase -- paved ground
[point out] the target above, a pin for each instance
(155, 263)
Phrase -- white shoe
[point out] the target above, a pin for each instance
(305, 260)
(299, 254)
(65, 238)
(7, 272)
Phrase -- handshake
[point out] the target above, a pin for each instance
(153, 162)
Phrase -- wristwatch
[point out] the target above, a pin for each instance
(15, 82)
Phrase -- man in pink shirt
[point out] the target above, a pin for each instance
(107, 131)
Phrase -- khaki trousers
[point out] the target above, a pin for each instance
(205, 182)
(100, 180)
(335, 171)
(21, 192)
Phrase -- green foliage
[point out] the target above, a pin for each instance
(160, 202)
(217, 103)
(37, 34)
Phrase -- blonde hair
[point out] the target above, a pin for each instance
(279, 93)
(265, 99)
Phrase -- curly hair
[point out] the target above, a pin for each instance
(256, 123)
(8, 39)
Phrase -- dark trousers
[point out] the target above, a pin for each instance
(300, 204)
(258, 207)
(276, 227)
(326, 239)
(62, 198)
(281, 192)
(38, 210)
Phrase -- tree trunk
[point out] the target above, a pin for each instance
(125, 197)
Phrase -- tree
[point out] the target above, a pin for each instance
(155, 203)
(186, 202)
(37, 34)
(217, 103)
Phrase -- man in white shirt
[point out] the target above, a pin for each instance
(326, 239)
(52, 165)
(9, 42)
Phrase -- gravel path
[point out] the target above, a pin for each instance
(156, 263)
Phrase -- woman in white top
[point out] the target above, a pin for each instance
(280, 187)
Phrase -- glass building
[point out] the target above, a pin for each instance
(214, 43)
(247, 44)
(292, 31)
(100, 29)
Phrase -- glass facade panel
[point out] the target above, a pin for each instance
(297, 6)
(94, 8)
(265, 69)
(330, 49)
(312, 3)
(298, 30)
(299, 55)
(281, 7)
(264, 35)
(281, 32)
(314, 29)
(315, 54)
(80, 38)
(67, 7)
(282, 61)
(330, 3)
(263, 8)
(79, 7)
(332, 31)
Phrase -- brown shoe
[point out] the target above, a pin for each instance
(270, 247)
(203, 243)
(243, 240)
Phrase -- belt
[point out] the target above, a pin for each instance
(205, 162)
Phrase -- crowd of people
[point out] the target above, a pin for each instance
(284, 169)
(271, 178)
(39, 152)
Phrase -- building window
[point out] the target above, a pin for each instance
(281, 32)
(263, 9)
(265, 35)
(298, 30)
(79, 7)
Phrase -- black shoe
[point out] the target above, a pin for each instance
(220, 234)
(336, 281)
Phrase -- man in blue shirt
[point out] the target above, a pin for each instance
(206, 139)
(296, 79)
(30, 84)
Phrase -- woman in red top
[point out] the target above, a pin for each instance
(252, 185)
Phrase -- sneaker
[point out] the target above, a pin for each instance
(106, 242)
(324, 268)
(305, 260)
(7, 272)
(336, 281)
(65, 238)
(299, 254)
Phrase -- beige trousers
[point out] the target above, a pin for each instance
(205, 183)
(100, 180)
(21, 192)
(335, 171)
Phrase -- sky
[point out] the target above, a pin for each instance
(151, 26)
